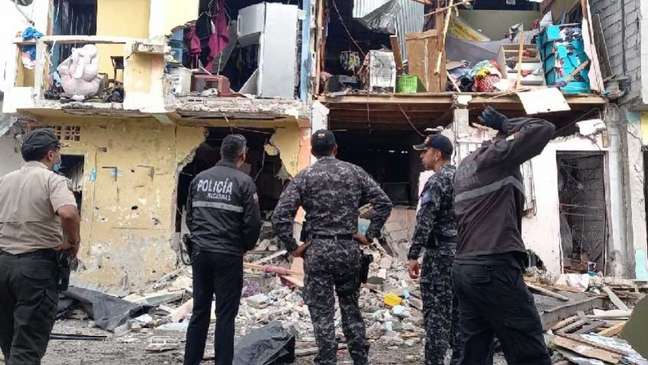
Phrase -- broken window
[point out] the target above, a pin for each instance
(583, 214)
(263, 164)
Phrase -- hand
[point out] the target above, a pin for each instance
(72, 249)
(362, 239)
(300, 250)
(413, 268)
(492, 118)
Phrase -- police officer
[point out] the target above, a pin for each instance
(331, 192)
(38, 222)
(436, 232)
(224, 222)
(489, 204)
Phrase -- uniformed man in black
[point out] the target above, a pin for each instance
(39, 227)
(436, 233)
(489, 203)
(224, 222)
(331, 192)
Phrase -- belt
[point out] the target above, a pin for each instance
(46, 253)
(336, 237)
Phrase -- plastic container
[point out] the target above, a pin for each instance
(409, 84)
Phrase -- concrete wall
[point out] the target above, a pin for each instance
(128, 218)
(623, 39)
(541, 232)
(124, 18)
(9, 150)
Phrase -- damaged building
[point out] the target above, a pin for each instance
(142, 98)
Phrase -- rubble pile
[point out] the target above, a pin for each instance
(583, 315)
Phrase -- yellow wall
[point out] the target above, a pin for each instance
(123, 18)
(128, 221)
(644, 128)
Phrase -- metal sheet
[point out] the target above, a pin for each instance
(410, 18)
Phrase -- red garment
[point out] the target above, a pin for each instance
(219, 39)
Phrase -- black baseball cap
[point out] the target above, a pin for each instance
(39, 139)
(436, 141)
(323, 138)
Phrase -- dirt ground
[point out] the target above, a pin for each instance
(131, 349)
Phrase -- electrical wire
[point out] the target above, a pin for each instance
(348, 32)
(410, 121)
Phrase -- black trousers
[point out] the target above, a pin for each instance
(220, 275)
(28, 300)
(495, 301)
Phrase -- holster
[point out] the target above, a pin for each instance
(365, 261)
(187, 253)
(66, 264)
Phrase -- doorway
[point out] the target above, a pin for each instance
(583, 213)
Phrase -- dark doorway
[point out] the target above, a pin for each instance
(72, 168)
(262, 164)
(388, 157)
(583, 214)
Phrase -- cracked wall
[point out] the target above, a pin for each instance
(128, 205)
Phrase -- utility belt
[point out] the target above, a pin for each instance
(336, 237)
(64, 263)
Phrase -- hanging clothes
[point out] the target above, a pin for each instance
(209, 36)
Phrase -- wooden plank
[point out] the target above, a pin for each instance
(613, 331)
(594, 325)
(564, 323)
(547, 292)
(581, 339)
(579, 323)
(615, 299)
(39, 69)
(398, 58)
(586, 350)
(422, 48)
(519, 63)
(553, 315)
(446, 24)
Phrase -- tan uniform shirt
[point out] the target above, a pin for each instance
(29, 199)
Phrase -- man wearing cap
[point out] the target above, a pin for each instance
(436, 232)
(38, 222)
(491, 257)
(331, 192)
(224, 221)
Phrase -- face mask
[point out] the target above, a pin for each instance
(56, 167)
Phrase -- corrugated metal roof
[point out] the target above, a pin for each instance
(410, 18)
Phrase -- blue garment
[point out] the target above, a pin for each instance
(28, 34)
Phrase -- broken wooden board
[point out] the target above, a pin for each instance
(547, 100)
(564, 323)
(612, 331)
(586, 350)
(615, 299)
(547, 292)
(554, 315)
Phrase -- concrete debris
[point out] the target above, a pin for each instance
(162, 343)
(576, 310)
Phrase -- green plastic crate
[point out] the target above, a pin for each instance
(409, 84)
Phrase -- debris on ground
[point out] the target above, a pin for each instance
(583, 315)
